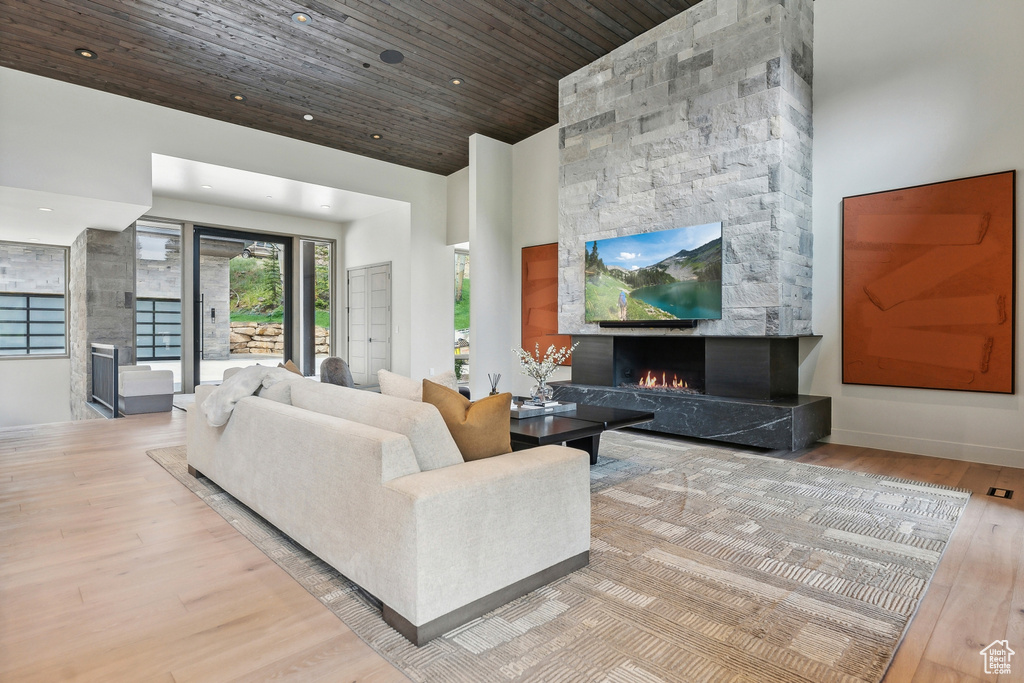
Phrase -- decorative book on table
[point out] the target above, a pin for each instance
(522, 409)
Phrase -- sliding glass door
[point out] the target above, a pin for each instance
(316, 263)
(241, 301)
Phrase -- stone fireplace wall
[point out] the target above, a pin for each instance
(101, 306)
(705, 118)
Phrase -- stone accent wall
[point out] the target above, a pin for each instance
(101, 307)
(158, 278)
(269, 338)
(215, 274)
(29, 269)
(705, 118)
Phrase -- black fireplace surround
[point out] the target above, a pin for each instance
(739, 390)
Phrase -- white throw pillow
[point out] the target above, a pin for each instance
(393, 384)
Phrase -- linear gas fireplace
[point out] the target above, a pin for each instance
(666, 363)
(735, 389)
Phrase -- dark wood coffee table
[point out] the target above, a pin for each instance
(580, 428)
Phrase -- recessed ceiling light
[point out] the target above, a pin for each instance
(366, 65)
(308, 117)
(455, 81)
(206, 187)
(325, 206)
(376, 136)
(33, 239)
(302, 19)
(391, 56)
(270, 196)
(43, 208)
(85, 52)
(238, 97)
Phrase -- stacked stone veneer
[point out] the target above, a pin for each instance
(215, 275)
(32, 269)
(101, 306)
(158, 278)
(269, 338)
(705, 118)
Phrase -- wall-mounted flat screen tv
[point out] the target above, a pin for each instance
(665, 275)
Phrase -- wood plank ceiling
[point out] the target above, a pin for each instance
(193, 55)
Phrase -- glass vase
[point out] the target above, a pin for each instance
(542, 391)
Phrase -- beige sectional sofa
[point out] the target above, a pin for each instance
(375, 486)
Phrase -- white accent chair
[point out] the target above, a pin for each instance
(140, 389)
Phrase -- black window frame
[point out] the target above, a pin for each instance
(153, 333)
(64, 294)
(30, 351)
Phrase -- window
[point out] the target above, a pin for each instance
(158, 295)
(158, 329)
(33, 311)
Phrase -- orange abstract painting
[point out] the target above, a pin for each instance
(928, 286)
(540, 299)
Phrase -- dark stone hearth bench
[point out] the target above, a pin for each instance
(788, 423)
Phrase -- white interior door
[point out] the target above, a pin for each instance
(369, 321)
(380, 318)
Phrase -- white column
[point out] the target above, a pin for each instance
(492, 307)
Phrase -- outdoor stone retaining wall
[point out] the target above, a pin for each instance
(158, 265)
(702, 119)
(268, 338)
(32, 269)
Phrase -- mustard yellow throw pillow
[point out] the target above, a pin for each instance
(480, 428)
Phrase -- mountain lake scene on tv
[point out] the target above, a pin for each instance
(664, 275)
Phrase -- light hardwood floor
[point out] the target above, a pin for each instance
(110, 570)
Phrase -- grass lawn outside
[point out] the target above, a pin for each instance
(462, 308)
(323, 318)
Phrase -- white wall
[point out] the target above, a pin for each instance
(35, 391)
(69, 140)
(534, 209)
(534, 221)
(458, 206)
(58, 137)
(906, 93)
(490, 244)
(245, 219)
(380, 239)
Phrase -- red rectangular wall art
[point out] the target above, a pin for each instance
(928, 286)
(540, 299)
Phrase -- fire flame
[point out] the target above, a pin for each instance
(651, 381)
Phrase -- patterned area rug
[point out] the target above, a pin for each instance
(706, 565)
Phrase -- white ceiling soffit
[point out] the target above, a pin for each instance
(22, 218)
(184, 179)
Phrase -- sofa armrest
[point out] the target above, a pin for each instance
(482, 525)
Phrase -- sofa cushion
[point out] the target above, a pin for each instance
(146, 383)
(132, 368)
(480, 428)
(393, 384)
(280, 392)
(431, 442)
